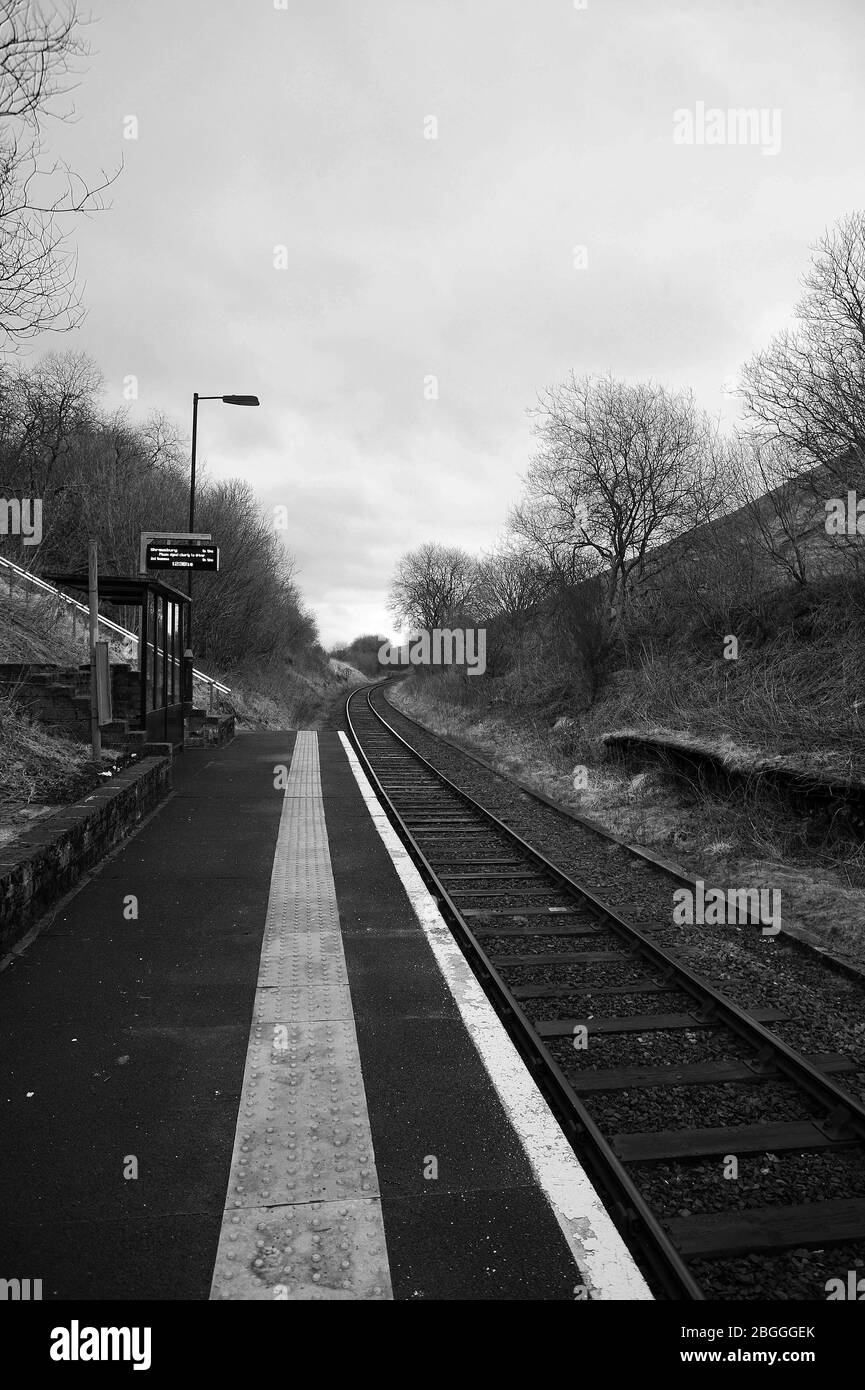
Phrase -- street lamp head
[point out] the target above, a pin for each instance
(240, 400)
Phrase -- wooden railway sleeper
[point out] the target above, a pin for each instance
(764, 1063)
(836, 1124)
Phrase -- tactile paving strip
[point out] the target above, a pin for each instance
(302, 1217)
(322, 1250)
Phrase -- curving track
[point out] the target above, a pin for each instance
(562, 967)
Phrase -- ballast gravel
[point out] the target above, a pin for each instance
(825, 1014)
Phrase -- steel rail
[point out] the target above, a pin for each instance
(647, 856)
(844, 1109)
(844, 1113)
(630, 1212)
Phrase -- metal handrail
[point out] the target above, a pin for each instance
(106, 622)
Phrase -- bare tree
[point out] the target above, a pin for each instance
(808, 388)
(59, 395)
(38, 266)
(362, 652)
(775, 504)
(432, 586)
(105, 476)
(164, 441)
(511, 584)
(48, 410)
(620, 471)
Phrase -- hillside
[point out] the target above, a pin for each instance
(792, 698)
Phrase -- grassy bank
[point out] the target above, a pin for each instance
(288, 697)
(751, 841)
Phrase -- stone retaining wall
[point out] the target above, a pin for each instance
(47, 860)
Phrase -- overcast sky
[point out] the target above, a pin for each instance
(305, 127)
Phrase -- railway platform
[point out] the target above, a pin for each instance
(245, 1060)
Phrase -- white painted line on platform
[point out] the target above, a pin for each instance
(302, 1214)
(606, 1266)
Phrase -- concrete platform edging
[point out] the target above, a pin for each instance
(48, 859)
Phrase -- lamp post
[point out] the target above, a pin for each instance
(226, 400)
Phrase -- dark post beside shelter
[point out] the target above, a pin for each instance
(163, 629)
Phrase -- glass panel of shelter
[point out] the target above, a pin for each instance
(158, 651)
(163, 632)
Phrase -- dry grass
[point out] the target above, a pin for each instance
(807, 702)
(39, 768)
(652, 808)
(34, 627)
(758, 842)
(287, 697)
(344, 671)
(517, 745)
(35, 766)
(800, 693)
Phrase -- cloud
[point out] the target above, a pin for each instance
(408, 258)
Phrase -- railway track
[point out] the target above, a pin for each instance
(563, 969)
